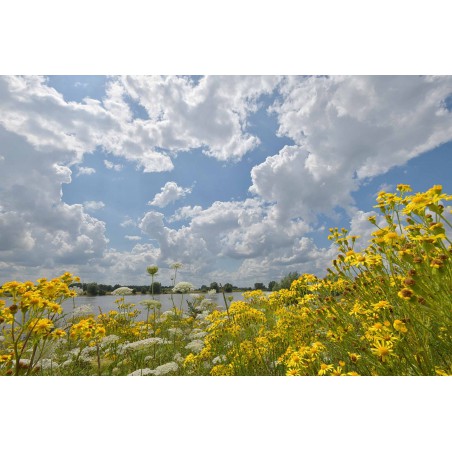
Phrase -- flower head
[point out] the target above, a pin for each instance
(122, 291)
(183, 287)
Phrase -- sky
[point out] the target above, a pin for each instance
(238, 178)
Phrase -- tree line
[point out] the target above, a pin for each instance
(94, 288)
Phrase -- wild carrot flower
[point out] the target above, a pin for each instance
(183, 287)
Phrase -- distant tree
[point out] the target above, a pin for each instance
(272, 285)
(228, 287)
(92, 289)
(214, 285)
(259, 286)
(204, 288)
(156, 288)
(287, 280)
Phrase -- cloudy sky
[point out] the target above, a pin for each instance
(237, 177)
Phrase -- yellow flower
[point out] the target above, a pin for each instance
(404, 188)
(441, 372)
(382, 349)
(383, 304)
(405, 293)
(400, 326)
(324, 368)
(354, 357)
(42, 326)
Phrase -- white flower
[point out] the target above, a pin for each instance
(107, 340)
(166, 368)
(211, 292)
(141, 372)
(2, 338)
(195, 346)
(143, 344)
(183, 287)
(203, 315)
(175, 331)
(219, 359)
(167, 313)
(197, 334)
(207, 305)
(122, 291)
(46, 363)
(151, 304)
(178, 358)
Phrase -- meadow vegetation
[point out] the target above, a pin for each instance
(382, 310)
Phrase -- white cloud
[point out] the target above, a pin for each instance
(210, 114)
(133, 237)
(93, 205)
(347, 129)
(85, 170)
(112, 166)
(37, 229)
(185, 212)
(230, 231)
(169, 193)
(128, 222)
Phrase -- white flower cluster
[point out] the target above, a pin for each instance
(207, 305)
(122, 291)
(143, 344)
(107, 340)
(211, 292)
(197, 334)
(166, 368)
(195, 346)
(178, 358)
(160, 370)
(183, 287)
(141, 372)
(151, 304)
(219, 359)
(175, 331)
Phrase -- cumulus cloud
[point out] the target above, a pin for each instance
(185, 212)
(347, 129)
(85, 170)
(169, 193)
(234, 231)
(112, 166)
(133, 237)
(128, 222)
(93, 205)
(37, 228)
(211, 113)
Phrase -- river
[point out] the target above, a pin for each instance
(107, 303)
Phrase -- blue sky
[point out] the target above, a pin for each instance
(237, 177)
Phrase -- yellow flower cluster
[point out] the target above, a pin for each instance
(383, 310)
(29, 317)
